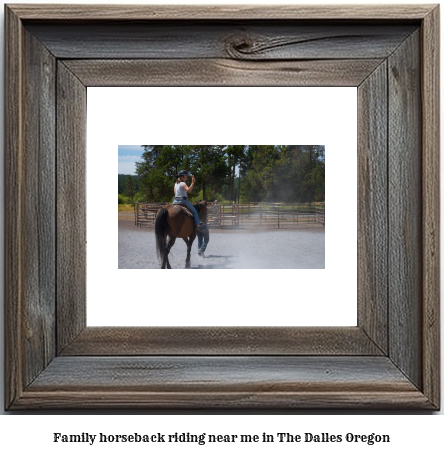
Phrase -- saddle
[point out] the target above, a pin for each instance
(185, 209)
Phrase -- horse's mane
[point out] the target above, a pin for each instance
(199, 207)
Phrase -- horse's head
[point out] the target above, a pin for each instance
(202, 209)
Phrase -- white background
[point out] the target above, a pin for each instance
(409, 435)
(223, 115)
(25, 434)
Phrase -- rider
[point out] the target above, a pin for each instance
(180, 196)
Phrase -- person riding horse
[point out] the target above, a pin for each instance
(180, 196)
(172, 222)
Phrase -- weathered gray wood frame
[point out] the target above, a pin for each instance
(390, 360)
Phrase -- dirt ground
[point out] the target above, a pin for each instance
(302, 248)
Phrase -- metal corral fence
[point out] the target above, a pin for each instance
(245, 215)
(145, 213)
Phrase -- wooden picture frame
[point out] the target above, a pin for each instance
(390, 360)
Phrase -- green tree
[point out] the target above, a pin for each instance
(160, 166)
(258, 167)
(266, 172)
(283, 173)
(314, 172)
(130, 188)
(209, 165)
(235, 155)
(157, 170)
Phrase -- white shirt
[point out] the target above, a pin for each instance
(179, 190)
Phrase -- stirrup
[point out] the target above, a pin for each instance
(199, 228)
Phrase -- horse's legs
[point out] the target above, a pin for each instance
(164, 260)
(189, 243)
(187, 261)
(170, 244)
(192, 237)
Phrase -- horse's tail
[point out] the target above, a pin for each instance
(161, 230)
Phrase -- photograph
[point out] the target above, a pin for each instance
(234, 206)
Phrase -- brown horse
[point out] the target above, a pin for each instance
(172, 223)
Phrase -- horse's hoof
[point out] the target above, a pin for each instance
(187, 265)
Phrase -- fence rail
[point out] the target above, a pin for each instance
(245, 215)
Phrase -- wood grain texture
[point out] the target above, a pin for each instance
(13, 207)
(233, 382)
(220, 12)
(127, 341)
(372, 207)
(246, 401)
(258, 40)
(39, 207)
(405, 209)
(209, 373)
(221, 72)
(71, 206)
(431, 207)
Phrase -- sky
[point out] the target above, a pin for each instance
(128, 155)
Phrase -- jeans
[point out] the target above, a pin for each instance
(203, 239)
(190, 207)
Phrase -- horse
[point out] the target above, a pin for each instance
(172, 222)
